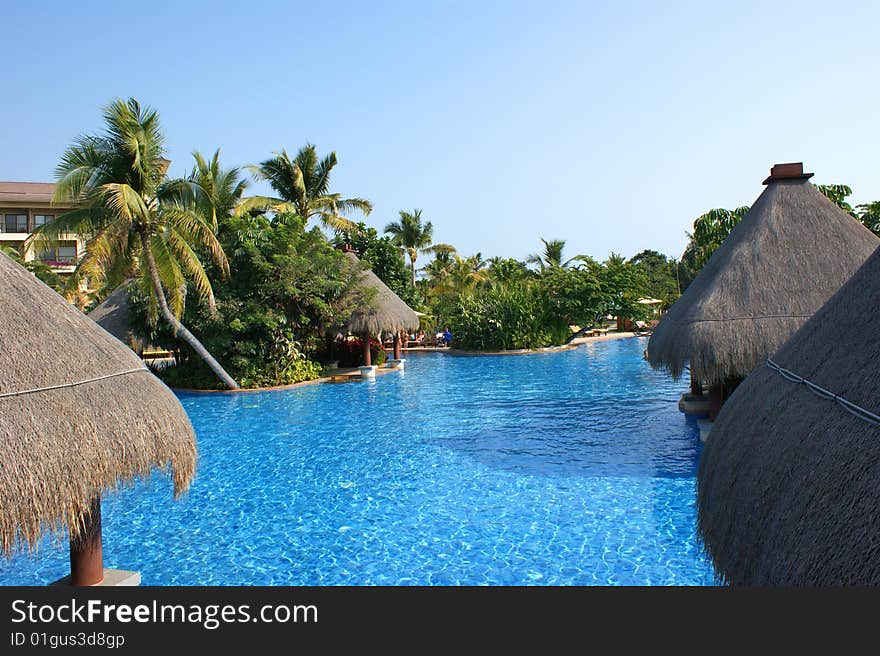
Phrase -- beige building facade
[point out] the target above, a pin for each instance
(24, 206)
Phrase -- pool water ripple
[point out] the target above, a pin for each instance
(555, 469)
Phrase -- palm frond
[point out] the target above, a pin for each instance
(346, 205)
(84, 221)
(124, 202)
(192, 265)
(170, 274)
(263, 204)
(321, 182)
(336, 222)
(193, 228)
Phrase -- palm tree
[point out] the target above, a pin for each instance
(303, 187)
(438, 269)
(552, 256)
(710, 230)
(414, 237)
(135, 218)
(222, 188)
(468, 272)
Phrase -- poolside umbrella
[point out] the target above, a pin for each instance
(79, 413)
(787, 256)
(386, 312)
(788, 488)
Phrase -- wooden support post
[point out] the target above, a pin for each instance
(397, 345)
(86, 551)
(368, 359)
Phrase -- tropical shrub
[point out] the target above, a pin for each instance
(515, 316)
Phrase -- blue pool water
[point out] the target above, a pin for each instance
(573, 467)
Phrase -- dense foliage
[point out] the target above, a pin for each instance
(501, 304)
(662, 275)
(507, 317)
(288, 285)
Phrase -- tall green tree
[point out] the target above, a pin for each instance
(551, 256)
(303, 187)
(623, 284)
(438, 269)
(220, 190)
(137, 220)
(506, 270)
(710, 230)
(414, 237)
(467, 272)
(661, 273)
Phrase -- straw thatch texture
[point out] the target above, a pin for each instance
(789, 483)
(788, 255)
(62, 446)
(114, 316)
(387, 311)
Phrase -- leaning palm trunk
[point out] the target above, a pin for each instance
(179, 328)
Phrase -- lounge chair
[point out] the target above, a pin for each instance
(641, 328)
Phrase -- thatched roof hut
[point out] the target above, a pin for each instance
(387, 311)
(788, 488)
(79, 413)
(114, 316)
(778, 266)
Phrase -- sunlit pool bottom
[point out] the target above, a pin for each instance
(567, 468)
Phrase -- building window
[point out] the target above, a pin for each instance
(42, 219)
(15, 223)
(59, 255)
(67, 254)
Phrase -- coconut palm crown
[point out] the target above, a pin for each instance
(303, 187)
(222, 189)
(414, 237)
(551, 257)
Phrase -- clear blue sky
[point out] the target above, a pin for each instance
(609, 125)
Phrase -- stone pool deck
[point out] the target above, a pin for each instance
(602, 338)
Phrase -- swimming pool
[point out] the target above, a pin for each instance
(573, 467)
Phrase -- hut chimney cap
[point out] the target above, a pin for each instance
(788, 171)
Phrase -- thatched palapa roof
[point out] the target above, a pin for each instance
(387, 312)
(789, 482)
(778, 266)
(79, 412)
(114, 315)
